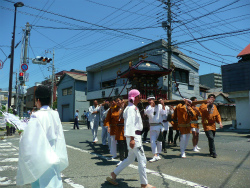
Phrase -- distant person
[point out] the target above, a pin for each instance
(88, 122)
(210, 115)
(42, 149)
(76, 122)
(94, 118)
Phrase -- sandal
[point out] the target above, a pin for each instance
(150, 186)
(112, 181)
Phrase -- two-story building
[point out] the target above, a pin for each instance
(103, 81)
(72, 95)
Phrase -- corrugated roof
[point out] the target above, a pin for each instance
(81, 77)
(75, 76)
(245, 51)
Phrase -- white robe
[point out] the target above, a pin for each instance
(42, 150)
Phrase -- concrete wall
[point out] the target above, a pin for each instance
(81, 102)
(66, 100)
(212, 80)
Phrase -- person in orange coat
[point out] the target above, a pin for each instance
(119, 134)
(195, 126)
(210, 116)
(174, 123)
(110, 122)
(184, 115)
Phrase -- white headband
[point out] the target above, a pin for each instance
(150, 98)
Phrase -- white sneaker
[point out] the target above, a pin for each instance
(197, 147)
(154, 159)
(119, 163)
(158, 157)
(145, 142)
(183, 155)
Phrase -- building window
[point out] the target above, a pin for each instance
(181, 75)
(67, 91)
(108, 84)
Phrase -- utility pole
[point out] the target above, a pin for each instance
(27, 32)
(16, 92)
(52, 79)
(169, 48)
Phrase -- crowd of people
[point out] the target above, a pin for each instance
(158, 119)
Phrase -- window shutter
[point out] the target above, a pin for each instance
(191, 78)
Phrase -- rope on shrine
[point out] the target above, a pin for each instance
(177, 86)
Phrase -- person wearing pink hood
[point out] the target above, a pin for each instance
(132, 131)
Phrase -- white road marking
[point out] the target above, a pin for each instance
(71, 183)
(165, 176)
(1, 146)
(3, 168)
(8, 149)
(5, 181)
(8, 160)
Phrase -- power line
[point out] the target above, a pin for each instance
(210, 36)
(93, 29)
(82, 21)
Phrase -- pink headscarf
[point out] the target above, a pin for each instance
(132, 94)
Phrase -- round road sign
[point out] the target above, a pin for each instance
(24, 67)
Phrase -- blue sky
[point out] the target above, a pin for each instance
(77, 49)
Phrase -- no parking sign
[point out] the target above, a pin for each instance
(24, 67)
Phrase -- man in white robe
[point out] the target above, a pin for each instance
(94, 118)
(42, 148)
(154, 113)
(132, 131)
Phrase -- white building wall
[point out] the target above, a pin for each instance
(242, 101)
(243, 113)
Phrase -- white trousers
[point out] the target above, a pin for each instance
(136, 152)
(113, 149)
(104, 134)
(156, 146)
(109, 141)
(94, 128)
(184, 142)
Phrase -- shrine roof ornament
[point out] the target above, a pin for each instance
(145, 67)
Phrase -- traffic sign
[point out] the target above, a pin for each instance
(24, 67)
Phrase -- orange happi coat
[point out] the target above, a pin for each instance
(114, 121)
(184, 118)
(175, 122)
(209, 119)
(195, 118)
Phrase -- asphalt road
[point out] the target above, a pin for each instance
(89, 163)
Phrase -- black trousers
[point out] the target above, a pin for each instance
(88, 124)
(164, 139)
(170, 135)
(210, 136)
(76, 123)
(177, 134)
(145, 133)
(123, 149)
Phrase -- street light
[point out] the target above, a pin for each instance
(18, 4)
